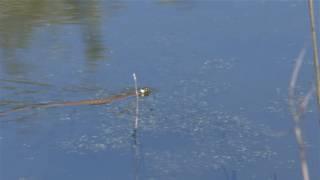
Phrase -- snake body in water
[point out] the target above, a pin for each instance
(140, 92)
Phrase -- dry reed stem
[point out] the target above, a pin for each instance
(136, 122)
(305, 101)
(135, 146)
(314, 48)
(297, 110)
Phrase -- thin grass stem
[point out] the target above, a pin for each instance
(314, 48)
(135, 145)
(297, 110)
(136, 122)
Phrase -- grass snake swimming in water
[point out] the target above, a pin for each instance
(141, 92)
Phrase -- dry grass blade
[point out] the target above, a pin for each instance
(297, 110)
(314, 48)
(135, 145)
(136, 122)
(305, 101)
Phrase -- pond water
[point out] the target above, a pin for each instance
(219, 72)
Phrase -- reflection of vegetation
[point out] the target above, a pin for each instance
(88, 16)
(15, 20)
(18, 18)
(181, 4)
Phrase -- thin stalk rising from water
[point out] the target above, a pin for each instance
(297, 110)
(315, 48)
(135, 145)
(137, 102)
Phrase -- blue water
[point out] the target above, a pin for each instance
(219, 73)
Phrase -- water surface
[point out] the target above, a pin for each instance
(219, 71)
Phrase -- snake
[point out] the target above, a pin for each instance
(145, 91)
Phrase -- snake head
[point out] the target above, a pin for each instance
(145, 91)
